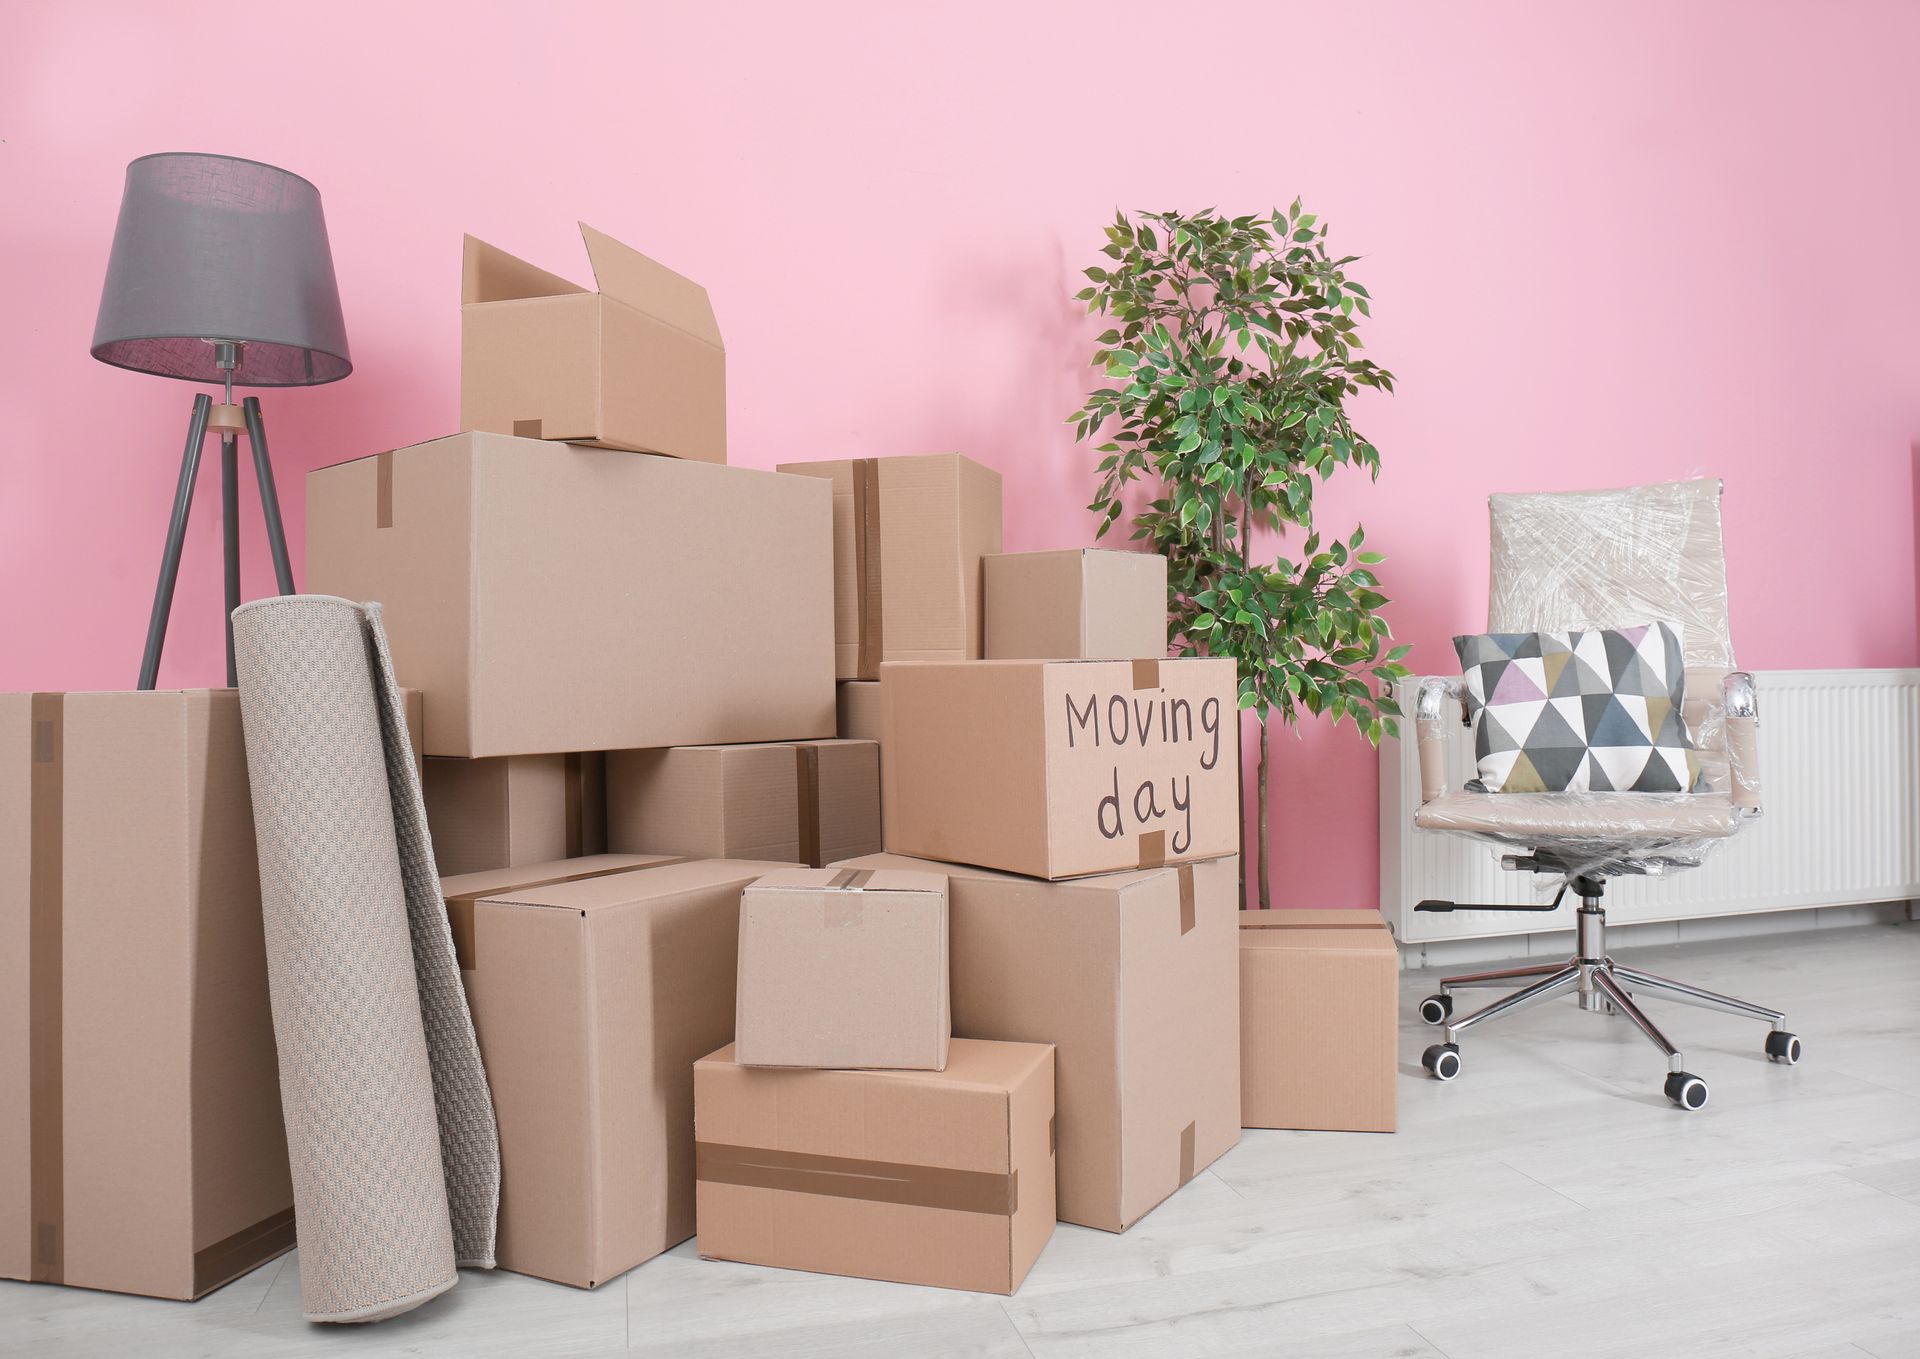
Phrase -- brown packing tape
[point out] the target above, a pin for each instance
(1146, 674)
(806, 772)
(383, 490)
(1053, 1134)
(1153, 849)
(1186, 1153)
(526, 429)
(799, 1172)
(1185, 873)
(227, 1259)
(46, 1117)
(1369, 921)
(573, 773)
(866, 564)
(460, 905)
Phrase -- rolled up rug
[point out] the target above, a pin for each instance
(390, 1129)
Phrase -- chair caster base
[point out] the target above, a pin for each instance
(1442, 1061)
(1687, 1090)
(1783, 1047)
(1436, 1009)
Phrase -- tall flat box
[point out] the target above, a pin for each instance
(1078, 604)
(141, 1144)
(637, 365)
(844, 968)
(547, 595)
(1319, 1030)
(1133, 978)
(804, 802)
(515, 809)
(1057, 769)
(859, 702)
(595, 984)
(908, 536)
(943, 1178)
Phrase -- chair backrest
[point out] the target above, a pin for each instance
(1600, 559)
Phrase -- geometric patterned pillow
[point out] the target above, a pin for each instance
(1597, 711)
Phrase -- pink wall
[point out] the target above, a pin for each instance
(1608, 243)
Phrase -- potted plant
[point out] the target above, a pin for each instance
(1233, 347)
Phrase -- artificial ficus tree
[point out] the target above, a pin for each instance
(1233, 348)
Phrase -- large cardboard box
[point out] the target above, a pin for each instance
(1319, 1029)
(515, 809)
(595, 985)
(927, 1177)
(859, 710)
(804, 802)
(141, 1144)
(844, 968)
(637, 365)
(908, 536)
(1134, 978)
(1078, 604)
(1061, 768)
(554, 598)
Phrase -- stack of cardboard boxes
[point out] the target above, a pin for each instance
(703, 995)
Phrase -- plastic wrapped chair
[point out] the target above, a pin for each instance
(1604, 559)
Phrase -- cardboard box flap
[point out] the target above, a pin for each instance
(852, 880)
(490, 274)
(1335, 931)
(657, 881)
(628, 276)
(1312, 920)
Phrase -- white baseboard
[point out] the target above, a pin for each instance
(1559, 943)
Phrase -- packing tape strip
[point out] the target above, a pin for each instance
(1185, 874)
(460, 905)
(1153, 849)
(383, 490)
(1186, 1153)
(806, 771)
(527, 429)
(46, 1118)
(1146, 674)
(574, 774)
(866, 564)
(232, 1256)
(797, 1172)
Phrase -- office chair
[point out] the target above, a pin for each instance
(1601, 559)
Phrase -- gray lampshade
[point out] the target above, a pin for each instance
(219, 248)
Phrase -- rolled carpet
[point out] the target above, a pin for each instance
(390, 1130)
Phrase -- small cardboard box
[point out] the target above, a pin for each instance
(595, 985)
(908, 536)
(1133, 977)
(1061, 768)
(515, 809)
(1319, 1024)
(540, 592)
(860, 710)
(803, 802)
(1080, 604)
(637, 365)
(141, 1143)
(844, 968)
(926, 1177)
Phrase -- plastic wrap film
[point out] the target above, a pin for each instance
(1608, 559)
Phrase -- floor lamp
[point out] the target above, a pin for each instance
(220, 272)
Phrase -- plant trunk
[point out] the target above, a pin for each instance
(1266, 831)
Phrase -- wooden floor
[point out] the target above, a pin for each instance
(1549, 1202)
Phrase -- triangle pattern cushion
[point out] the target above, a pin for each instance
(1594, 710)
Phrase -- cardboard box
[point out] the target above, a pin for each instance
(1061, 768)
(554, 598)
(803, 802)
(637, 365)
(1134, 978)
(1319, 1023)
(1080, 604)
(141, 1144)
(595, 985)
(844, 968)
(908, 536)
(859, 710)
(927, 1177)
(515, 809)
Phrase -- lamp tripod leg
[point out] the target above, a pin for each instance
(230, 538)
(176, 535)
(269, 499)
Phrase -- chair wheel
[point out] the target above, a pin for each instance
(1687, 1090)
(1442, 1060)
(1784, 1047)
(1436, 1009)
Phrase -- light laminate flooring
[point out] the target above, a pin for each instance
(1549, 1202)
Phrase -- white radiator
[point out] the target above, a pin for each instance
(1840, 780)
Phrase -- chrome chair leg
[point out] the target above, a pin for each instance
(1500, 978)
(1559, 980)
(1683, 1087)
(1694, 995)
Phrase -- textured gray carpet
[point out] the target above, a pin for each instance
(395, 1155)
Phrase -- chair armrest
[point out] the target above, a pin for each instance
(1433, 708)
(1741, 703)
